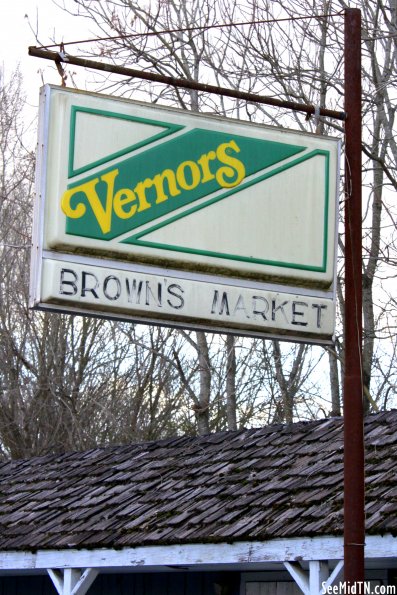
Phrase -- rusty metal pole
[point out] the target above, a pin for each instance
(182, 83)
(354, 520)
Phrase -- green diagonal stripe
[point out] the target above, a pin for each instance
(139, 238)
(164, 178)
(165, 129)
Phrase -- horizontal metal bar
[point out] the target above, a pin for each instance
(182, 83)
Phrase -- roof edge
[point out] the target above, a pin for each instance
(194, 556)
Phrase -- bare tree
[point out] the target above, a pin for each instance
(302, 60)
(68, 382)
(216, 383)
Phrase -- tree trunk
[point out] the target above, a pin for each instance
(202, 410)
(334, 382)
(231, 383)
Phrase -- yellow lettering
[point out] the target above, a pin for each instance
(234, 171)
(103, 215)
(158, 181)
(79, 210)
(205, 168)
(121, 198)
(140, 190)
(125, 203)
(194, 174)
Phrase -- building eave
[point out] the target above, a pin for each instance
(239, 555)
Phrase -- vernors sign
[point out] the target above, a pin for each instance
(128, 203)
(160, 215)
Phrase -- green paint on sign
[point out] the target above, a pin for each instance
(173, 174)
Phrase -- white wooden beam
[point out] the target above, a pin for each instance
(70, 578)
(198, 555)
(318, 574)
(334, 574)
(57, 579)
(300, 576)
(208, 554)
(311, 581)
(72, 581)
(85, 581)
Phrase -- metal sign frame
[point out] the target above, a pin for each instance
(237, 295)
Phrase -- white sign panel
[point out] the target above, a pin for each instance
(155, 214)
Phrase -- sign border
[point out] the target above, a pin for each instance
(39, 254)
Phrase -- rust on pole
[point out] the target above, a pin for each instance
(182, 83)
(354, 495)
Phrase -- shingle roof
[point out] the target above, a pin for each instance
(256, 484)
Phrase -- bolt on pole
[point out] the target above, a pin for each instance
(354, 498)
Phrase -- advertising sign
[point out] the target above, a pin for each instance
(159, 215)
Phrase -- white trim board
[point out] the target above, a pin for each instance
(197, 555)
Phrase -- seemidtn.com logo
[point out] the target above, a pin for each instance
(358, 588)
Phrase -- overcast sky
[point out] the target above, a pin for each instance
(16, 36)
